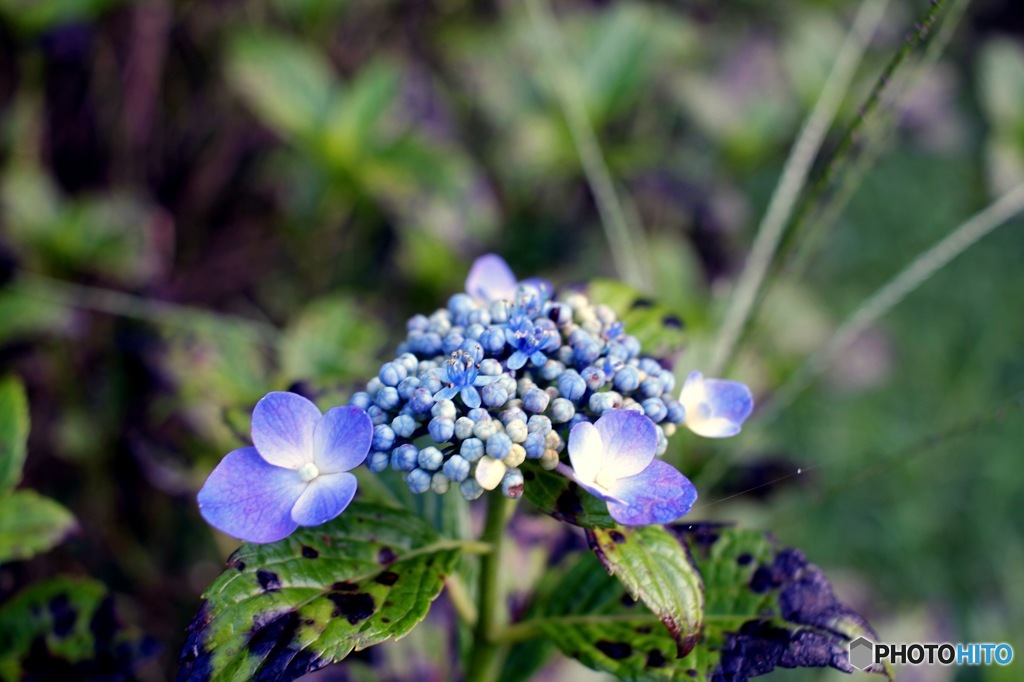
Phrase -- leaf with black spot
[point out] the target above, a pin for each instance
(68, 628)
(290, 607)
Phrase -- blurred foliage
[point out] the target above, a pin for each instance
(201, 202)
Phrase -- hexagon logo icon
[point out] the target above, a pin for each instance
(862, 653)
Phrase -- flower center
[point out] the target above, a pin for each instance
(604, 480)
(308, 471)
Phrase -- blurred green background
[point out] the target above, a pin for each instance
(204, 201)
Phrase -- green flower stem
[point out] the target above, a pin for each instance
(489, 600)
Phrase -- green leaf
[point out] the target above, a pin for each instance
(764, 609)
(287, 84)
(563, 499)
(331, 339)
(656, 569)
(30, 524)
(14, 426)
(658, 328)
(67, 628)
(289, 607)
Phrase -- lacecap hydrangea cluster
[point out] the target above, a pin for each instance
(507, 372)
(495, 379)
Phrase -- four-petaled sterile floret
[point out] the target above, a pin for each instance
(296, 473)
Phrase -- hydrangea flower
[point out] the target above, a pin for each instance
(491, 279)
(530, 341)
(462, 376)
(715, 408)
(296, 473)
(613, 458)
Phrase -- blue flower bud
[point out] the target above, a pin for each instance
(377, 415)
(391, 373)
(383, 437)
(427, 344)
(441, 429)
(655, 409)
(517, 430)
(551, 370)
(668, 380)
(534, 445)
(493, 395)
(418, 481)
(513, 413)
(562, 410)
(676, 412)
(404, 457)
(372, 386)
(452, 341)
(456, 468)
(430, 458)
(586, 352)
(403, 425)
(539, 423)
(464, 428)
(480, 316)
(444, 408)
(478, 414)
(486, 428)
(470, 489)
(535, 400)
(361, 400)
(387, 398)
(431, 383)
(499, 445)
(651, 387)
(493, 340)
(439, 483)
(407, 386)
(417, 323)
(422, 400)
(626, 379)
(474, 331)
(472, 449)
(409, 361)
(604, 401)
(460, 306)
(571, 385)
(378, 461)
(491, 368)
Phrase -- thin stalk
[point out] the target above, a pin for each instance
(461, 601)
(626, 243)
(118, 303)
(819, 217)
(489, 600)
(894, 291)
(793, 180)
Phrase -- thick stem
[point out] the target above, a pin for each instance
(490, 601)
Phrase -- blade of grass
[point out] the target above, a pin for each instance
(792, 182)
(627, 243)
(118, 303)
(893, 292)
(875, 138)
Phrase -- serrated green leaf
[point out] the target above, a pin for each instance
(658, 328)
(14, 427)
(289, 607)
(764, 609)
(287, 84)
(655, 568)
(69, 629)
(30, 524)
(563, 499)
